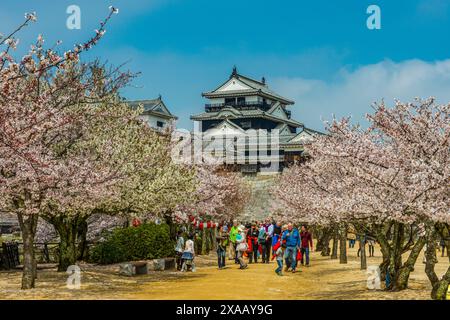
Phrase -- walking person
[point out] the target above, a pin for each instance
(279, 253)
(277, 229)
(443, 246)
(222, 243)
(188, 255)
(262, 236)
(269, 234)
(306, 244)
(292, 238)
(179, 249)
(276, 236)
(371, 243)
(362, 238)
(233, 234)
(351, 239)
(241, 247)
(253, 238)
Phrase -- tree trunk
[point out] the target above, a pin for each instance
(68, 228)
(430, 261)
(82, 236)
(439, 286)
(401, 281)
(443, 286)
(326, 247)
(172, 226)
(67, 244)
(204, 242)
(343, 245)
(395, 254)
(382, 234)
(320, 236)
(214, 238)
(325, 242)
(209, 243)
(334, 252)
(28, 226)
(362, 247)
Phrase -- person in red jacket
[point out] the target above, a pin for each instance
(252, 237)
(306, 243)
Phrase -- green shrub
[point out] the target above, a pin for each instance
(148, 241)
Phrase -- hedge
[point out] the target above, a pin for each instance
(146, 242)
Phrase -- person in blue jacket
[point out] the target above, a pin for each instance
(292, 238)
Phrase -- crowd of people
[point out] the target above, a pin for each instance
(252, 242)
(264, 241)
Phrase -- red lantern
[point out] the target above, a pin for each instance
(136, 222)
(208, 225)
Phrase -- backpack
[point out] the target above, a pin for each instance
(242, 246)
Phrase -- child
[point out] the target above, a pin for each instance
(279, 254)
(241, 247)
(188, 255)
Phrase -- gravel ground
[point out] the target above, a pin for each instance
(325, 279)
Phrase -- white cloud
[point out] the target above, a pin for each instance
(352, 92)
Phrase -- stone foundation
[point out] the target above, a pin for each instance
(259, 206)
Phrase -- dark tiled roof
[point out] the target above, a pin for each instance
(151, 106)
(235, 114)
(147, 104)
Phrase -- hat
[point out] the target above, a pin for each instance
(225, 228)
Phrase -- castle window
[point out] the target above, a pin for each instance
(159, 124)
(230, 101)
(241, 101)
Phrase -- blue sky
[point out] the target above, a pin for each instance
(319, 53)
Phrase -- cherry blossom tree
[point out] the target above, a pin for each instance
(42, 101)
(220, 195)
(391, 178)
(82, 151)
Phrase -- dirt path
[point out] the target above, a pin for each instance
(325, 279)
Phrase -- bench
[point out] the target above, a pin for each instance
(133, 268)
(40, 266)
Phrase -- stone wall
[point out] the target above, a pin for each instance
(259, 205)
